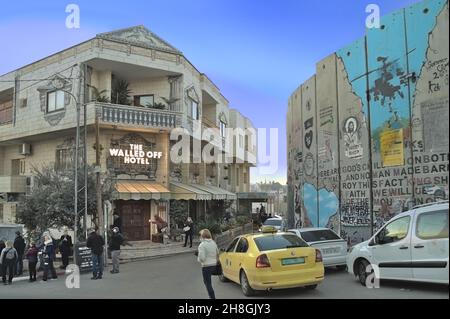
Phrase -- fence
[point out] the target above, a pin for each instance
(226, 237)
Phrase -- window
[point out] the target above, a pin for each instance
(432, 225)
(237, 176)
(55, 101)
(245, 177)
(242, 246)
(241, 141)
(395, 231)
(319, 235)
(144, 100)
(63, 159)
(223, 129)
(1, 213)
(195, 112)
(275, 242)
(6, 112)
(230, 247)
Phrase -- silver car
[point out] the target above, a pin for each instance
(333, 247)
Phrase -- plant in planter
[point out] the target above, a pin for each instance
(98, 96)
(121, 93)
(157, 105)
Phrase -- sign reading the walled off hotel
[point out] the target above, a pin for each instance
(133, 155)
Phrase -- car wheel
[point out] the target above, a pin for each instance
(245, 285)
(341, 267)
(361, 271)
(311, 287)
(222, 278)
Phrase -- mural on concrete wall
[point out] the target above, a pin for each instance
(387, 104)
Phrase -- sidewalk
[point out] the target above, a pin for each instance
(138, 251)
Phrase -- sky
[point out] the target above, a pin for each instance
(256, 52)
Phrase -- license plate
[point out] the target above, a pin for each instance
(293, 261)
(329, 251)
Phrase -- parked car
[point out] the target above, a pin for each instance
(276, 222)
(271, 260)
(332, 246)
(438, 191)
(412, 246)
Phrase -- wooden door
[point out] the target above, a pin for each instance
(135, 219)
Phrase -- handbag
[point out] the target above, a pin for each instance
(217, 270)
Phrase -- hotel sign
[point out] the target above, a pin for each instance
(135, 154)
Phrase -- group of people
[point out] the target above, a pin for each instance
(13, 254)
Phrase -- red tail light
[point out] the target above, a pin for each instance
(319, 258)
(262, 261)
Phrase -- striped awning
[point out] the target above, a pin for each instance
(216, 192)
(180, 191)
(137, 190)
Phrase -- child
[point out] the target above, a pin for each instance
(32, 256)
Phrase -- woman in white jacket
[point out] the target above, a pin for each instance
(208, 256)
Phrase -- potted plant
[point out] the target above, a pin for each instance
(121, 93)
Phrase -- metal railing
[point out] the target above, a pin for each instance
(224, 239)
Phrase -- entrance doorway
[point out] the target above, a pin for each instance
(135, 218)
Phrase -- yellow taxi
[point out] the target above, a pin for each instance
(271, 260)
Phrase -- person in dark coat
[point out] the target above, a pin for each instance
(48, 258)
(188, 231)
(96, 242)
(117, 222)
(19, 246)
(65, 247)
(32, 256)
(114, 247)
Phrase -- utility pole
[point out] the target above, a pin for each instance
(98, 191)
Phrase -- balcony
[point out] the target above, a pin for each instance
(137, 116)
(13, 184)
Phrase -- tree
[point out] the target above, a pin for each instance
(51, 202)
(178, 212)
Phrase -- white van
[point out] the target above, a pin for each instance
(412, 246)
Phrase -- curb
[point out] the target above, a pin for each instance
(38, 276)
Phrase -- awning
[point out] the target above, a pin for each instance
(136, 190)
(217, 192)
(253, 196)
(182, 191)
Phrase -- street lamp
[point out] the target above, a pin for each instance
(58, 85)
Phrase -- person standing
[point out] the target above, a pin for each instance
(48, 258)
(117, 221)
(208, 256)
(32, 256)
(65, 247)
(96, 242)
(188, 230)
(2, 246)
(8, 260)
(19, 245)
(114, 247)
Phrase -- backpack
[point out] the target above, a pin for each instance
(10, 254)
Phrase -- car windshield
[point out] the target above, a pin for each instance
(319, 235)
(273, 222)
(281, 241)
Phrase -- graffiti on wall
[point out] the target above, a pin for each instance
(404, 85)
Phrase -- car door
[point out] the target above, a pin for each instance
(228, 259)
(430, 245)
(239, 256)
(391, 249)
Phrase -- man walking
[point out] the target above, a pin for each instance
(65, 247)
(19, 246)
(114, 247)
(96, 242)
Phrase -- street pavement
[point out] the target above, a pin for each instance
(179, 277)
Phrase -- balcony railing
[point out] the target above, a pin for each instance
(137, 116)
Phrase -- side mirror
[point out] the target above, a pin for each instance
(373, 242)
(222, 250)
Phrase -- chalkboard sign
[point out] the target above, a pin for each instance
(83, 257)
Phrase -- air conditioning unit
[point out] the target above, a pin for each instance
(25, 149)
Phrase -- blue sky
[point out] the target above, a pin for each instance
(257, 52)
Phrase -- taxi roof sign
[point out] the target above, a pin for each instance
(268, 229)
